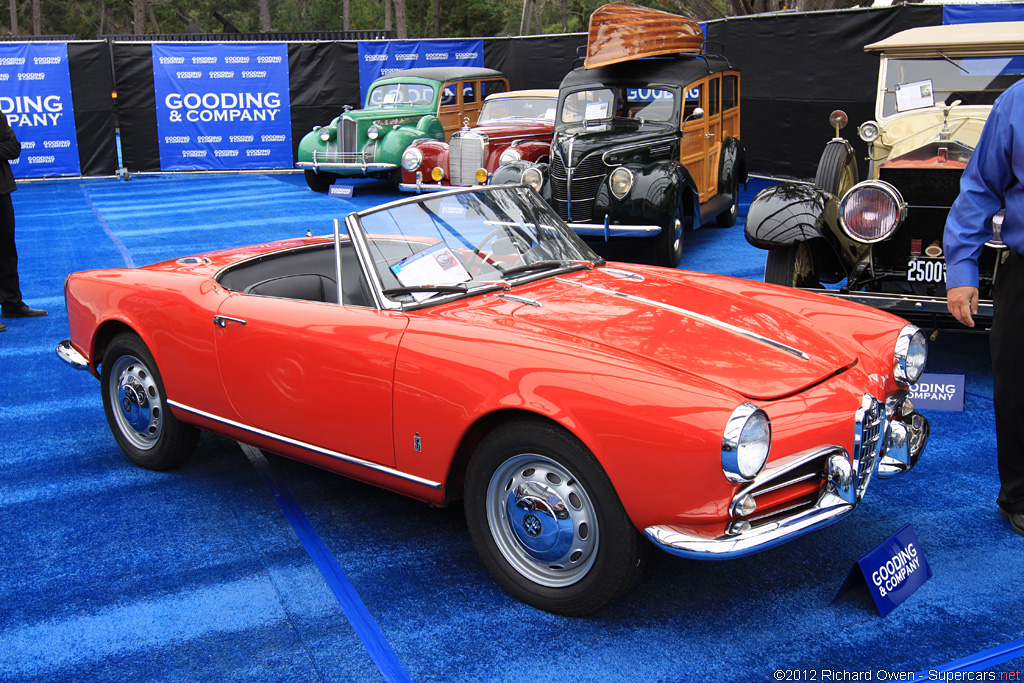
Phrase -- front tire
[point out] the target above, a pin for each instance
(668, 245)
(547, 522)
(319, 182)
(792, 266)
(136, 407)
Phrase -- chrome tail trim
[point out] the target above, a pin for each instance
(350, 459)
(67, 353)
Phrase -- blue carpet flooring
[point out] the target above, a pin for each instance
(113, 573)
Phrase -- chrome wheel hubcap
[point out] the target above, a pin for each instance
(542, 520)
(136, 402)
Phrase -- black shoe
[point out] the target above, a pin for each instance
(1016, 520)
(21, 310)
(3, 328)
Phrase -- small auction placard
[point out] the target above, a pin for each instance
(892, 571)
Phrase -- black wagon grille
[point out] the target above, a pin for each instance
(574, 193)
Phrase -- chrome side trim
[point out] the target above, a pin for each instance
(67, 353)
(350, 459)
(598, 230)
(696, 316)
(521, 299)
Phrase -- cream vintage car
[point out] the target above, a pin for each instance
(881, 239)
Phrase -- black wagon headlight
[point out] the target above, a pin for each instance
(871, 211)
(533, 179)
(620, 182)
(746, 443)
(909, 356)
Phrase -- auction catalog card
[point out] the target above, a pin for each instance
(434, 266)
(914, 96)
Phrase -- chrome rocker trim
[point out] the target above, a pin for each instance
(350, 459)
(845, 485)
(67, 353)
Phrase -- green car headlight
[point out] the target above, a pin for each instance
(326, 133)
(374, 132)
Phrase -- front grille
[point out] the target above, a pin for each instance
(465, 156)
(869, 428)
(790, 491)
(344, 148)
(574, 198)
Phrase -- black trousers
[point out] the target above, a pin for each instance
(10, 291)
(1007, 344)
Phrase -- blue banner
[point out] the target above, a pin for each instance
(380, 58)
(36, 97)
(222, 107)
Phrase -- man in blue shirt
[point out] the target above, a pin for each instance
(991, 182)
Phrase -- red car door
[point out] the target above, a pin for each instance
(318, 373)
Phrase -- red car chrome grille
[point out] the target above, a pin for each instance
(466, 155)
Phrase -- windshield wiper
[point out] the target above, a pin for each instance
(541, 265)
(438, 289)
(955, 64)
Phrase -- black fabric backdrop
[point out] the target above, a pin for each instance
(91, 85)
(797, 68)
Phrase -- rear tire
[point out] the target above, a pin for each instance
(136, 407)
(728, 218)
(792, 266)
(837, 168)
(319, 182)
(547, 522)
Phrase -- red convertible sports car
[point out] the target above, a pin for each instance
(467, 344)
(513, 126)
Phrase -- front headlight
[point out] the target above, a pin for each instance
(411, 159)
(868, 131)
(871, 211)
(326, 133)
(373, 133)
(533, 179)
(745, 444)
(909, 356)
(508, 156)
(620, 182)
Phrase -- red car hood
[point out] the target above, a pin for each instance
(740, 335)
(521, 129)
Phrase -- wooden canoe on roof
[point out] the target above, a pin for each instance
(623, 31)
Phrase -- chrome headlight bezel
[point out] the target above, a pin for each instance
(326, 133)
(412, 158)
(620, 182)
(373, 132)
(909, 356)
(746, 443)
(509, 156)
(868, 131)
(533, 179)
(871, 197)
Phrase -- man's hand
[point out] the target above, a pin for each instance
(962, 302)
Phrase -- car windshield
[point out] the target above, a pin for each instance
(603, 104)
(929, 81)
(465, 242)
(505, 108)
(393, 94)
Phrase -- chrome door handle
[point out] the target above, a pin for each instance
(709, 135)
(222, 320)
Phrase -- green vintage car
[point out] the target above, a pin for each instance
(401, 107)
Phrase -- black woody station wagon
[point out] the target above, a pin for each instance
(644, 148)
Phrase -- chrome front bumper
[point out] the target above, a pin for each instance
(67, 353)
(372, 167)
(612, 230)
(845, 481)
(902, 304)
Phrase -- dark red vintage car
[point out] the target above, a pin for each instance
(513, 126)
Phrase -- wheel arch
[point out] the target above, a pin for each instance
(481, 427)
